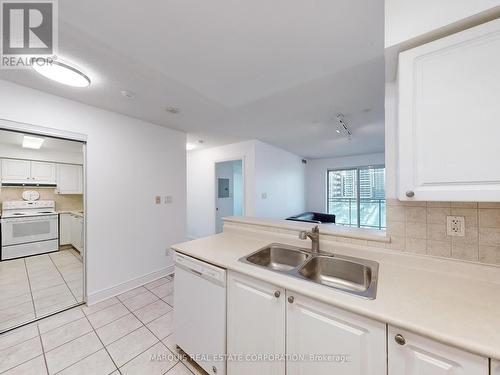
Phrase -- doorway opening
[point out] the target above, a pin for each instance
(229, 191)
(42, 247)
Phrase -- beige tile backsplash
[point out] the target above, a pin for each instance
(65, 202)
(420, 227)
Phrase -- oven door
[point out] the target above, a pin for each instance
(20, 230)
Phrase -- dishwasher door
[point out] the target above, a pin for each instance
(200, 312)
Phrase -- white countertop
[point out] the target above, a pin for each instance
(454, 302)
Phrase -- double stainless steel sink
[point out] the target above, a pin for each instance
(347, 274)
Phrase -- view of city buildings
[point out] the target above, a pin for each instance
(366, 209)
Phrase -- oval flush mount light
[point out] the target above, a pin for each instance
(63, 73)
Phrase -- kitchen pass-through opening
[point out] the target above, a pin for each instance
(229, 191)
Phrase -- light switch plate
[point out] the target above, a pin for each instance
(169, 199)
(158, 199)
(455, 226)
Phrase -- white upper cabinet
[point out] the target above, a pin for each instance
(14, 170)
(69, 179)
(449, 118)
(27, 171)
(356, 344)
(255, 325)
(43, 173)
(410, 354)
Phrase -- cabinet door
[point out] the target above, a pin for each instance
(14, 170)
(42, 172)
(255, 326)
(324, 340)
(65, 229)
(448, 127)
(416, 355)
(69, 179)
(495, 367)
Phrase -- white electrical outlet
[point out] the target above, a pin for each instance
(455, 226)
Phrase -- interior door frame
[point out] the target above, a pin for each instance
(37, 130)
(243, 168)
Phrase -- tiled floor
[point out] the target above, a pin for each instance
(121, 335)
(39, 285)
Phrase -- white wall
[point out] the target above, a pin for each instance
(238, 188)
(129, 162)
(408, 19)
(201, 184)
(10, 151)
(280, 177)
(316, 170)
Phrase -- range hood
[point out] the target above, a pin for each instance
(28, 184)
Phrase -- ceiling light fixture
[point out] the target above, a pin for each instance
(190, 146)
(63, 73)
(342, 127)
(32, 142)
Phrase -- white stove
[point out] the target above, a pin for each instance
(29, 228)
(28, 208)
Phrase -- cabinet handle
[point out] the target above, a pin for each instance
(410, 193)
(277, 294)
(400, 339)
(291, 299)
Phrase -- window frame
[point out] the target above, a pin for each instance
(358, 190)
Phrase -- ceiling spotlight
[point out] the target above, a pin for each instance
(32, 142)
(172, 110)
(62, 73)
(342, 127)
(127, 94)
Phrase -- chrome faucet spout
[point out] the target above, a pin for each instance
(314, 236)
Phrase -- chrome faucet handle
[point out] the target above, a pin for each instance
(315, 229)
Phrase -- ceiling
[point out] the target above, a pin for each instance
(278, 71)
(10, 138)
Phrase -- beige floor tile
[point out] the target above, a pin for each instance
(18, 336)
(169, 299)
(119, 328)
(98, 363)
(20, 353)
(72, 352)
(35, 366)
(179, 369)
(163, 290)
(17, 320)
(131, 345)
(170, 343)
(100, 306)
(153, 311)
(65, 333)
(157, 283)
(163, 326)
(9, 302)
(154, 361)
(140, 300)
(60, 319)
(132, 293)
(108, 315)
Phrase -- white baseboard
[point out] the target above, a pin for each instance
(128, 285)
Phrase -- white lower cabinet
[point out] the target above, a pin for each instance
(410, 354)
(495, 368)
(261, 317)
(255, 326)
(324, 340)
(77, 232)
(65, 229)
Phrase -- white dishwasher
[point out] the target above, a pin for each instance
(200, 312)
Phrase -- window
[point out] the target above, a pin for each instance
(356, 196)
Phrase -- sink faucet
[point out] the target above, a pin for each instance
(314, 236)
